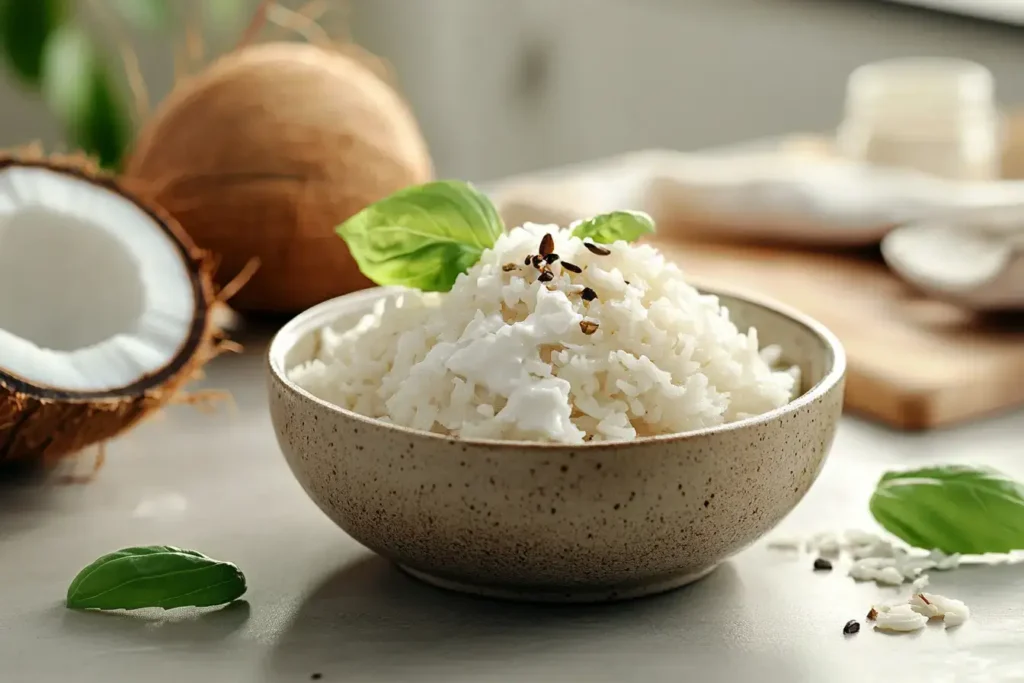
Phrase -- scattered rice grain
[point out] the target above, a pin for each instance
(899, 618)
(890, 576)
(944, 562)
(858, 537)
(953, 612)
(861, 572)
(829, 547)
(784, 543)
(878, 549)
(920, 604)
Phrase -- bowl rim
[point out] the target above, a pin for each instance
(316, 316)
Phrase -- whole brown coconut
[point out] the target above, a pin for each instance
(265, 152)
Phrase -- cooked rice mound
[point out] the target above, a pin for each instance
(503, 355)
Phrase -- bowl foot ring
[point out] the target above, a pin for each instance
(570, 595)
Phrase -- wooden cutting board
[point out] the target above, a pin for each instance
(914, 363)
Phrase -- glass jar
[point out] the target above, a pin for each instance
(934, 115)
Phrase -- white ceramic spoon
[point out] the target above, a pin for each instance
(975, 259)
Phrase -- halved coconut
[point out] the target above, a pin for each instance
(105, 308)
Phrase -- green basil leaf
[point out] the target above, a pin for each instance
(155, 576)
(954, 508)
(25, 27)
(607, 228)
(423, 237)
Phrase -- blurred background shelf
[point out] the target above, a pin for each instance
(504, 87)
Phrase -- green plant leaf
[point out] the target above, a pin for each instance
(82, 93)
(617, 225)
(25, 28)
(424, 236)
(148, 15)
(155, 576)
(954, 508)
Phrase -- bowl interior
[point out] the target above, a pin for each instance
(803, 341)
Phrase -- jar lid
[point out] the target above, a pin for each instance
(936, 86)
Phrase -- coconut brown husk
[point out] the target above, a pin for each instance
(265, 152)
(43, 423)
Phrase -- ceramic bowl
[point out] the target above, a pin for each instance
(539, 522)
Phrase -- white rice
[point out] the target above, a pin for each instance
(953, 612)
(503, 356)
(889, 576)
(873, 557)
(900, 618)
(785, 543)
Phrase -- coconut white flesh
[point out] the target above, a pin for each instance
(94, 294)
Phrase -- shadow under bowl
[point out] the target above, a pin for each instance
(560, 523)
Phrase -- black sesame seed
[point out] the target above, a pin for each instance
(588, 294)
(551, 258)
(547, 244)
(852, 626)
(594, 249)
(537, 261)
(822, 564)
(527, 261)
(546, 276)
(571, 267)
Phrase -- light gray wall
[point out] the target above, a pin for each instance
(622, 74)
(502, 86)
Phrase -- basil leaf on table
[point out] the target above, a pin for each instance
(423, 237)
(155, 576)
(607, 228)
(954, 508)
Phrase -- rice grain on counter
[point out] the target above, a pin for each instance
(899, 618)
(890, 576)
(504, 355)
(952, 612)
(874, 558)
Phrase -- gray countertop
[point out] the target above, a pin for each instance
(319, 603)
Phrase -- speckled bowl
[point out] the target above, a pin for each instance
(559, 523)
